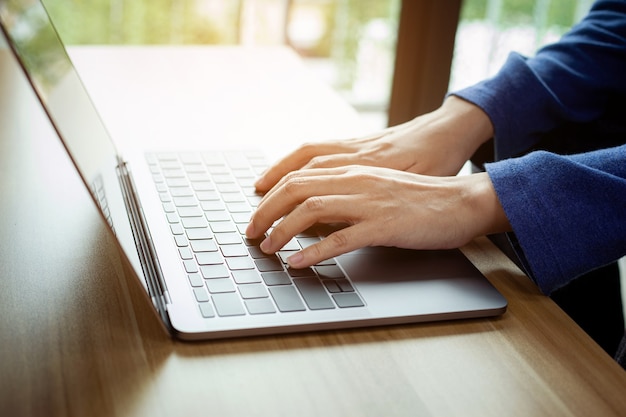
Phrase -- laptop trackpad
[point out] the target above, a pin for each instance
(405, 281)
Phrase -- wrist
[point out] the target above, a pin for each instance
(485, 210)
(471, 125)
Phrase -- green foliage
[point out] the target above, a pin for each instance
(140, 22)
(557, 13)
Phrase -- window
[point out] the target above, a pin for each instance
(349, 44)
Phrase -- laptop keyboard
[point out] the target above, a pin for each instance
(208, 200)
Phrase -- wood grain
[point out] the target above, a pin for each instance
(78, 341)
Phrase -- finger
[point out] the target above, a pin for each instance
(314, 210)
(294, 189)
(297, 160)
(298, 176)
(337, 243)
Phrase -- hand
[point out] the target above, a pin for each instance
(382, 207)
(438, 143)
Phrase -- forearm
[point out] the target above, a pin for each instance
(568, 212)
(446, 138)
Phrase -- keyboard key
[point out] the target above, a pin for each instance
(223, 178)
(332, 286)
(212, 205)
(238, 207)
(228, 304)
(199, 177)
(173, 173)
(181, 241)
(176, 182)
(348, 299)
(227, 187)
(217, 216)
(305, 242)
(257, 253)
(329, 271)
(177, 229)
(185, 253)
(185, 201)
(209, 258)
(252, 242)
(169, 207)
(206, 309)
(298, 273)
(227, 238)
(195, 280)
(190, 266)
(287, 298)
(252, 291)
(207, 245)
(260, 306)
(246, 276)
(202, 185)
(291, 245)
(269, 264)
(223, 227)
(345, 285)
(220, 285)
(214, 271)
(314, 294)
(233, 251)
(201, 294)
(276, 278)
(254, 200)
(193, 211)
(284, 254)
(194, 222)
(242, 217)
(199, 234)
(237, 197)
(208, 197)
(181, 192)
(239, 263)
(170, 164)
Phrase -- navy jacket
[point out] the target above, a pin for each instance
(568, 212)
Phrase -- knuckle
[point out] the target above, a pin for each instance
(292, 183)
(316, 251)
(314, 204)
(318, 162)
(338, 239)
(360, 176)
(308, 149)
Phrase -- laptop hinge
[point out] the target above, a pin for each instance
(145, 248)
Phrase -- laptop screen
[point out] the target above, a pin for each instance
(35, 44)
(42, 55)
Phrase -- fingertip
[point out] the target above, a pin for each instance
(251, 231)
(296, 260)
(260, 184)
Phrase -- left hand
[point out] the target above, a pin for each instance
(382, 207)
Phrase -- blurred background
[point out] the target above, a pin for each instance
(349, 44)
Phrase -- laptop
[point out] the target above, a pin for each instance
(179, 218)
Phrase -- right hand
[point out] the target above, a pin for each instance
(437, 143)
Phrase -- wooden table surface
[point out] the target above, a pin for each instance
(76, 342)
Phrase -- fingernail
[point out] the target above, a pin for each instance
(259, 183)
(266, 245)
(295, 260)
(250, 230)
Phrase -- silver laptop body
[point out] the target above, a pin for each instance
(179, 219)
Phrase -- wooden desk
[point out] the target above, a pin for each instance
(74, 341)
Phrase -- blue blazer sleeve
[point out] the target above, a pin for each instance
(571, 81)
(568, 213)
